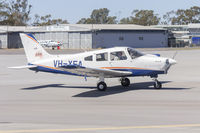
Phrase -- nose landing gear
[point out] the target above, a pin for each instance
(125, 82)
(157, 84)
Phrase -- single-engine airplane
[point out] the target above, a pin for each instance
(121, 62)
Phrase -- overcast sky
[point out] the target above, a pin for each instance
(74, 10)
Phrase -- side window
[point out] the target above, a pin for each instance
(88, 58)
(102, 57)
(118, 55)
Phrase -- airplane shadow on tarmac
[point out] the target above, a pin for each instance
(110, 90)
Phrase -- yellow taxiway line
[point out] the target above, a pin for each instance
(96, 129)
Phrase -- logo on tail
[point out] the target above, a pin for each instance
(38, 54)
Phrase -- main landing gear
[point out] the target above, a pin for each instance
(157, 84)
(125, 82)
(101, 85)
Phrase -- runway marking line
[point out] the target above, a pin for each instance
(96, 129)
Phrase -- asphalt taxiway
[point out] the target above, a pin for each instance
(48, 103)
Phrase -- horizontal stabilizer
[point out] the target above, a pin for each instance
(23, 67)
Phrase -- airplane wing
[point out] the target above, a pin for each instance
(95, 72)
(23, 67)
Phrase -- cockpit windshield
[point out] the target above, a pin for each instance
(134, 53)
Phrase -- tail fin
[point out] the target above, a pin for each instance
(33, 50)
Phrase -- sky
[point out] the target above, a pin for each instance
(74, 10)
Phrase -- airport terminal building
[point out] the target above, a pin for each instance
(87, 36)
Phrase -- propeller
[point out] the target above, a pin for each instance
(168, 63)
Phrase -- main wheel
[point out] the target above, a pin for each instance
(101, 86)
(125, 82)
(157, 85)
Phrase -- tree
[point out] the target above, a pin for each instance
(125, 20)
(99, 16)
(85, 21)
(16, 13)
(182, 16)
(3, 12)
(141, 17)
(167, 18)
(46, 20)
(145, 17)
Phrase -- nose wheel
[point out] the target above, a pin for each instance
(157, 84)
(125, 82)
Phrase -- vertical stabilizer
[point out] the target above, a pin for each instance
(33, 50)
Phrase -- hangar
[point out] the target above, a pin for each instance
(87, 36)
